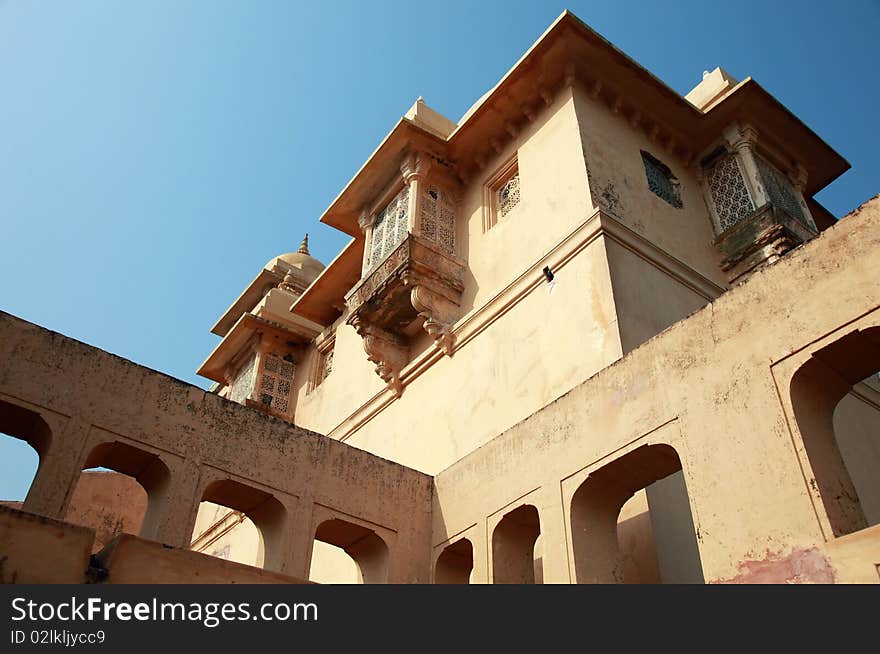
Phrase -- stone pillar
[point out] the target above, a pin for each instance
(179, 506)
(365, 222)
(798, 180)
(553, 539)
(742, 138)
(59, 471)
(414, 169)
(298, 557)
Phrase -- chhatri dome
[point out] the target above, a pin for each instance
(304, 266)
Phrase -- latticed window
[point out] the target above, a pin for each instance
(501, 194)
(508, 195)
(275, 382)
(661, 181)
(728, 190)
(243, 383)
(437, 217)
(325, 365)
(390, 228)
(780, 191)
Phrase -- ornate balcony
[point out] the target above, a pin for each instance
(759, 240)
(417, 286)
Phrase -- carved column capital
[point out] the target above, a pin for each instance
(798, 177)
(365, 220)
(741, 137)
(414, 167)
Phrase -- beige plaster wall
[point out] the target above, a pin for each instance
(531, 354)
(89, 398)
(109, 503)
(554, 200)
(715, 388)
(545, 343)
(612, 147)
(647, 300)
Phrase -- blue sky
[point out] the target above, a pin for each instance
(154, 155)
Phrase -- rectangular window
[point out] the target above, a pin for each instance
(323, 361)
(390, 229)
(661, 181)
(780, 191)
(275, 382)
(243, 383)
(502, 195)
(731, 198)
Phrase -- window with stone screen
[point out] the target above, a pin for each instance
(728, 191)
(503, 194)
(780, 190)
(390, 228)
(276, 381)
(243, 383)
(437, 218)
(324, 364)
(661, 181)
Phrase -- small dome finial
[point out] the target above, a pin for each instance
(304, 246)
(289, 282)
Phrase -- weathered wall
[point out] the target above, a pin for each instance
(646, 299)
(659, 260)
(527, 341)
(89, 398)
(612, 147)
(716, 388)
(109, 503)
(39, 550)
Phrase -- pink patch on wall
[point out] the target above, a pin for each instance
(801, 566)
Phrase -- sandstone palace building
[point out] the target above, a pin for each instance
(594, 331)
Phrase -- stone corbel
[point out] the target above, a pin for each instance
(386, 350)
(438, 313)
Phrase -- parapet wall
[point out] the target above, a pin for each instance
(81, 407)
(726, 418)
(722, 402)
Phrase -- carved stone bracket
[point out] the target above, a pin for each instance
(388, 351)
(439, 315)
(417, 286)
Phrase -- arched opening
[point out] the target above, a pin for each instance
(635, 540)
(113, 505)
(110, 503)
(227, 534)
(455, 563)
(333, 565)
(362, 545)
(513, 547)
(835, 397)
(18, 462)
(263, 510)
(598, 528)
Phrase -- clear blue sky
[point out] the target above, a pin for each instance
(154, 155)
